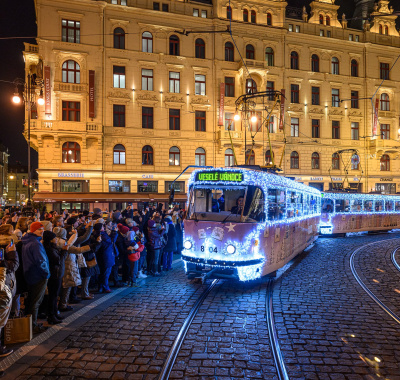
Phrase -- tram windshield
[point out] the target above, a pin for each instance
(227, 203)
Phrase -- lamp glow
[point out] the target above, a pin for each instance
(16, 98)
(231, 249)
(187, 244)
(236, 117)
(253, 119)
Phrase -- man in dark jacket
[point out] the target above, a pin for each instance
(154, 232)
(170, 247)
(36, 270)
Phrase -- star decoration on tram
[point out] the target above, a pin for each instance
(231, 227)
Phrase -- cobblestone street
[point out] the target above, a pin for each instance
(328, 327)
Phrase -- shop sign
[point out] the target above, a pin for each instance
(147, 176)
(316, 178)
(337, 179)
(386, 179)
(71, 175)
(297, 178)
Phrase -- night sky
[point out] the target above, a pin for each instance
(17, 19)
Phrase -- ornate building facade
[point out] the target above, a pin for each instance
(137, 90)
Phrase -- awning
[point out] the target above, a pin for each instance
(50, 197)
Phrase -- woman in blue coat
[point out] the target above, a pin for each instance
(170, 247)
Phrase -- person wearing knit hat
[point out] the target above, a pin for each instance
(123, 229)
(97, 211)
(35, 226)
(48, 226)
(98, 227)
(48, 236)
(134, 248)
(135, 229)
(85, 212)
(71, 221)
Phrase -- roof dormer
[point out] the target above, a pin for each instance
(383, 20)
(324, 12)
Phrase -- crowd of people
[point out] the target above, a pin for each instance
(55, 260)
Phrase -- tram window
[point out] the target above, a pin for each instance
(254, 206)
(379, 206)
(306, 204)
(368, 206)
(276, 204)
(327, 205)
(342, 205)
(397, 206)
(356, 205)
(389, 206)
(313, 204)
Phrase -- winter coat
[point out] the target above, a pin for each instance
(22, 286)
(11, 262)
(179, 236)
(89, 256)
(36, 263)
(154, 237)
(134, 255)
(72, 275)
(56, 260)
(105, 255)
(171, 238)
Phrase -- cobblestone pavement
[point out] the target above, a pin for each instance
(328, 326)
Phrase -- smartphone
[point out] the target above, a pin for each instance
(66, 243)
(12, 242)
(1, 253)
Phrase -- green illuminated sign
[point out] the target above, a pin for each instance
(220, 176)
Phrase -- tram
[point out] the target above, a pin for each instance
(353, 212)
(244, 223)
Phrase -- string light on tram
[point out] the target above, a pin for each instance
(231, 249)
(188, 244)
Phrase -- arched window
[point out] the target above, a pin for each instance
(174, 156)
(294, 160)
(245, 15)
(229, 158)
(354, 68)
(147, 42)
(119, 155)
(315, 161)
(335, 65)
(269, 19)
(71, 72)
(249, 51)
(147, 155)
(268, 157)
(251, 86)
(269, 56)
(315, 63)
(119, 38)
(173, 45)
(355, 162)
(321, 19)
(385, 102)
(200, 157)
(335, 161)
(229, 52)
(386, 30)
(200, 48)
(380, 29)
(253, 17)
(229, 12)
(328, 20)
(250, 157)
(71, 152)
(385, 163)
(294, 60)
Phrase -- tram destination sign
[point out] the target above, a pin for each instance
(219, 176)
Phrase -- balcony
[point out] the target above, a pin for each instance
(53, 125)
(381, 146)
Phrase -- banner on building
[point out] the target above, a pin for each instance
(91, 94)
(375, 118)
(282, 112)
(47, 90)
(221, 103)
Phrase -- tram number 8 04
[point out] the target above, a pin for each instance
(210, 249)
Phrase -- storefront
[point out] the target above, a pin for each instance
(385, 186)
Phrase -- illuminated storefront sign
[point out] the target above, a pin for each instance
(71, 175)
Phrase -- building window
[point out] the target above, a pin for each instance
(335, 129)
(119, 38)
(147, 79)
(354, 99)
(71, 153)
(290, 27)
(315, 92)
(229, 121)
(255, 126)
(294, 60)
(229, 158)
(355, 130)
(335, 161)
(269, 56)
(71, 31)
(70, 186)
(253, 17)
(335, 97)
(315, 161)
(178, 186)
(268, 157)
(147, 155)
(245, 15)
(118, 115)
(71, 111)
(350, 37)
(297, 28)
(315, 63)
(174, 119)
(165, 8)
(147, 117)
(195, 12)
(229, 87)
(71, 72)
(269, 19)
(229, 12)
(385, 102)
(321, 19)
(119, 76)
(386, 30)
(385, 163)
(156, 6)
(335, 66)
(147, 186)
(204, 14)
(355, 162)
(250, 157)
(249, 51)
(119, 186)
(174, 156)
(357, 38)
(173, 45)
(321, 33)
(271, 90)
(200, 121)
(271, 125)
(229, 52)
(119, 2)
(328, 21)
(119, 155)
(380, 29)
(294, 93)
(354, 68)
(315, 126)
(384, 70)
(174, 82)
(147, 42)
(328, 33)
(251, 86)
(200, 84)
(294, 127)
(200, 157)
(200, 48)
(385, 131)
(294, 160)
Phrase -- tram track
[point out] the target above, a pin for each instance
(393, 257)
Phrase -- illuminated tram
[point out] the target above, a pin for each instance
(244, 223)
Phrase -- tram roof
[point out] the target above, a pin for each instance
(362, 196)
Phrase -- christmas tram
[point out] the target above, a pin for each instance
(244, 223)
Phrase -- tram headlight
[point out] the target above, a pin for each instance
(188, 244)
(231, 249)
